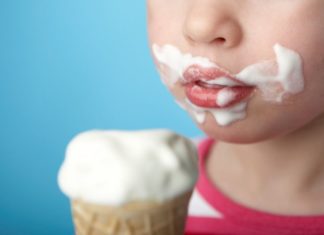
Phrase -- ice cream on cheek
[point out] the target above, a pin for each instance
(212, 89)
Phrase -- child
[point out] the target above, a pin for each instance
(251, 73)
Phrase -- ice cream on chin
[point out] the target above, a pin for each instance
(118, 167)
(226, 96)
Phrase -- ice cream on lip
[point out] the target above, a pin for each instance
(210, 75)
(118, 167)
(217, 90)
(207, 87)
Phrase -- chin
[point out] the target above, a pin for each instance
(241, 132)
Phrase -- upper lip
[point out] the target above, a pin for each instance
(211, 76)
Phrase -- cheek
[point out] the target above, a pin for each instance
(153, 22)
(156, 33)
(313, 57)
(313, 95)
(165, 21)
(177, 91)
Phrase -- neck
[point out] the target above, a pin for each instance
(292, 163)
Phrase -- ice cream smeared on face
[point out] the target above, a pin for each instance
(224, 97)
(276, 79)
(172, 63)
(223, 117)
(212, 89)
(118, 167)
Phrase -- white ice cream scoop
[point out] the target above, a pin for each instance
(118, 167)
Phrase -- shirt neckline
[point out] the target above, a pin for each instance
(245, 216)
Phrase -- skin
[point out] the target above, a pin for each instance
(276, 154)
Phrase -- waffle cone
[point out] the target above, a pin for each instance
(136, 218)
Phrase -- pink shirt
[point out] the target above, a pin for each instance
(211, 212)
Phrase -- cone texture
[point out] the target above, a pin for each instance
(143, 218)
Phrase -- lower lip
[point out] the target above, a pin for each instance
(206, 97)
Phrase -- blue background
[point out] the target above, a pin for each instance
(67, 66)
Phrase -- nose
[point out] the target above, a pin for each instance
(212, 21)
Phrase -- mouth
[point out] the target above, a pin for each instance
(213, 87)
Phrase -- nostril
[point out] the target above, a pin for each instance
(220, 40)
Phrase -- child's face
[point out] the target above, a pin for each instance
(236, 33)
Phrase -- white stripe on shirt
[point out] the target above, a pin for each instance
(199, 207)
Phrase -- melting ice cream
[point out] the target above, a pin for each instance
(117, 167)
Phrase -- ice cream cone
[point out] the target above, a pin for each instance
(137, 218)
(129, 183)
